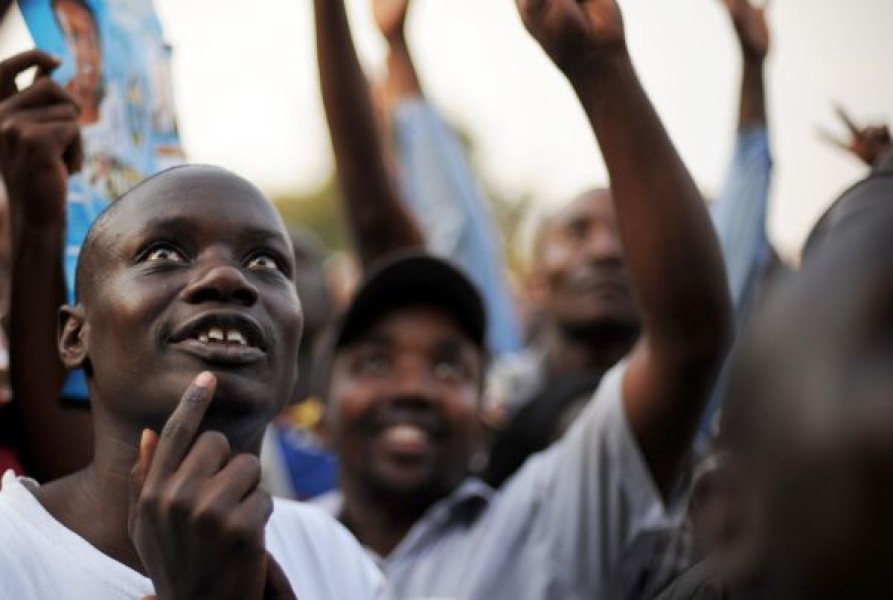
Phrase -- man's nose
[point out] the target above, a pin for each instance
(221, 282)
(604, 245)
(413, 379)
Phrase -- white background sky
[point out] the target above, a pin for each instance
(248, 99)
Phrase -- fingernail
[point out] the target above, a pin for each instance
(205, 379)
(144, 438)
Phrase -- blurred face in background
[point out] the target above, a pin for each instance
(579, 273)
(82, 35)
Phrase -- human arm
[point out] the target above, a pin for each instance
(739, 212)
(197, 513)
(376, 218)
(438, 184)
(670, 248)
(39, 148)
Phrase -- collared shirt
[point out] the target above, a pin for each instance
(581, 520)
(439, 188)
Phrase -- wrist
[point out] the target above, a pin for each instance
(753, 62)
(396, 40)
(587, 73)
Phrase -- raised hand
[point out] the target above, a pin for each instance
(39, 139)
(751, 26)
(197, 515)
(868, 143)
(575, 33)
(390, 16)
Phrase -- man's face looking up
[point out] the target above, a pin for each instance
(579, 267)
(404, 400)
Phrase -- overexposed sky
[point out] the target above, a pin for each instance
(248, 99)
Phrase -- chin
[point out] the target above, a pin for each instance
(246, 396)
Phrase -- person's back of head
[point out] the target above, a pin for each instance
(807, 433)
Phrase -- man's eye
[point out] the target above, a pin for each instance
(450, 370)
(374, 364)
(263, 262)
(164, 253)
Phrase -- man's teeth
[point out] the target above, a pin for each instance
(405, 434)
(235, 337)
(217, 335)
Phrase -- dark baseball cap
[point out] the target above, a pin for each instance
(413, 278)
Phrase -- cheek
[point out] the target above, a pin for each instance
(349, 403)
(462, 410)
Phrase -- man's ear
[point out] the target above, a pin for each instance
(72, 336)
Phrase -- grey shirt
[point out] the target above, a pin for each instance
(582, 519)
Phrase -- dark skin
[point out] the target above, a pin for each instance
(377, 220)
(402, 80)
(752, 31)
(403, 419)
(186, 252)
(671, 255)
(40, 142)
(581, 283)
(670, 250)
(803, 495)
(869, 143)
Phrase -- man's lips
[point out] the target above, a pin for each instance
(222, 353)
(600, 283)
(222, 337)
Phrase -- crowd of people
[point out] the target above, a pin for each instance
(675, 413)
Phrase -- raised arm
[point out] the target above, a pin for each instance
(439, 185)
(753, 38)
(739, 212)
(670, 248)
(377, 220)
(39, 147)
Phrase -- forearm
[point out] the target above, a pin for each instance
(752, 109)
(377, 220)
(670, 248)
(58, 440)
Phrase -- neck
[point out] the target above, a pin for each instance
(380, 524)
(570, 351)
(100, 489)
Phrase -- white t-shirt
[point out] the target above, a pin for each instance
(41, 559)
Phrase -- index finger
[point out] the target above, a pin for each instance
(180, 430)
(13, 66)
(846, 120)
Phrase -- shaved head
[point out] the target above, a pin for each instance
(176, 180)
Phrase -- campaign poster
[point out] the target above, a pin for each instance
(117, 66)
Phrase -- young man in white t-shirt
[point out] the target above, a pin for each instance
(187, 324)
